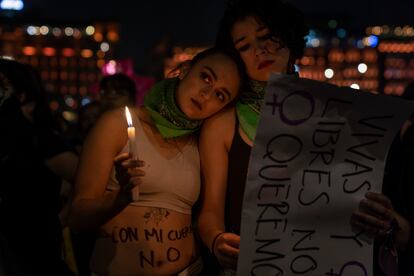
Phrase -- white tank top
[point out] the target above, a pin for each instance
(168, 183)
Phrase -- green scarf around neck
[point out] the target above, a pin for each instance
(168, 118)
(248, 107)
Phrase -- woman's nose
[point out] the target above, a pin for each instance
(260, 47)
(206, 91)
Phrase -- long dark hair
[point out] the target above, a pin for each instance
(285, 22)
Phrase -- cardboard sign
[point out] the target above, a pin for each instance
(318, 150)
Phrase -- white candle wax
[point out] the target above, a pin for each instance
(132, 147)
(131, 141)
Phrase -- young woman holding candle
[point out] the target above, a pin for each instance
(269, 37)
(152, 235)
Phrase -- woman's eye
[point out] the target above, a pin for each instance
(220, 96)
(206, 78)
(243, 48)
(264, 37)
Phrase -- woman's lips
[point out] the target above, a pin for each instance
(265, 64)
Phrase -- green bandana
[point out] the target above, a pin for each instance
(168, 118)
(248, 107)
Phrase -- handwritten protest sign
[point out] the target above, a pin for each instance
(318, 149)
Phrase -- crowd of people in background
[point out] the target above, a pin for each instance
(63, 199)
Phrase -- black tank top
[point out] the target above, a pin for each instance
(236, 181)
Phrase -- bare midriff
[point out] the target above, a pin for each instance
(144, 241)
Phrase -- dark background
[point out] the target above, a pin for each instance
(194, 22)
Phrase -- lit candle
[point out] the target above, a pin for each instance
(131, 133)
(132, 146)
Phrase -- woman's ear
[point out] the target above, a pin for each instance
(184, 69)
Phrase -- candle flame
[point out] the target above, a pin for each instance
(128, 117)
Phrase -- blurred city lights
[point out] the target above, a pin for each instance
(332, 24)
(31, 30)
(371, 41)
(16, 5)
(98, 37)
(355, 86)
(29, 50)
(104, 46)
(90, 30)
(329, 73)
(77, 33)
(68, 31)
(315, 42)
(110, 67)
(49, 51)
(85, 101)
(68, 52)
(44, 30)
(341, 33)
(360, 44)
(69, 101)
(56, 31)
(69, 116)
(362, 68)
(86, 53)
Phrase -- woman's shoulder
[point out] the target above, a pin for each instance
(111, 123)
(220, 127)
(116, 115)
(225, 118)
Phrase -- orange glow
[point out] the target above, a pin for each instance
(49, 51)
(100, 54)
(305, 60)
(54, 105)
(68, 52)
(29, 51)
(100, 63)
(98, 37)
(113, 36)
(86, 53)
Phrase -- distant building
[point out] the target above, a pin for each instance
(69, 57)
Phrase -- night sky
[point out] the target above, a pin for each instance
(192, 22)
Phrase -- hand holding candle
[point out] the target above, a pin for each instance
(132, 147)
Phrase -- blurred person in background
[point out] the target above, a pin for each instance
(34, 158)
(117, 90)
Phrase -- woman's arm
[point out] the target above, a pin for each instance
(64, 165)
(92, 206)
(215, 141)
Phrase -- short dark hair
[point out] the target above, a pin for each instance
(119, 81)
(285, 22)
